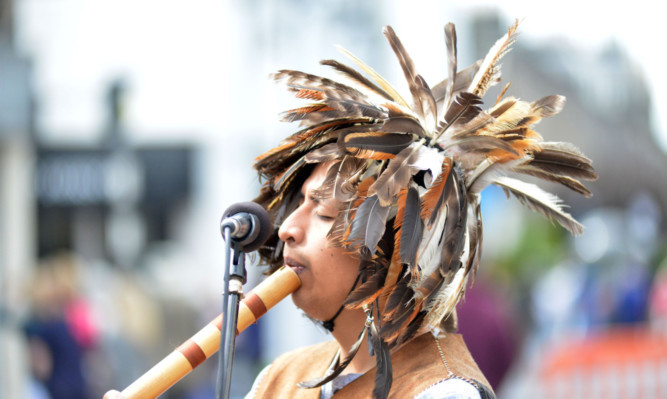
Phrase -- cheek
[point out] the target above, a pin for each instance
(340, 263)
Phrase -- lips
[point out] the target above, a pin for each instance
(294, 265)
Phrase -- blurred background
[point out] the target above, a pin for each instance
(128, 127)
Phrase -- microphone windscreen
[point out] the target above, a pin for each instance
(265, 227)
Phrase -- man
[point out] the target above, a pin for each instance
(377, 200)
(328, 274)
(377, 203)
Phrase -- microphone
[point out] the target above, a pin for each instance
(249, 225)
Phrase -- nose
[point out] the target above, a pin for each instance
(292, 230)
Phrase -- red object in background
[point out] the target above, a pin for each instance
(80, 321)
(622, 362)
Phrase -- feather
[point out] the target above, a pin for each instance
(397, 175)
(443, 240)
(410, 331)
(403, 124)
(502, 93)
(455, 228)
(412, 228)
(334, 372)
(462, 110)
(450, 43)
(341, 228)
(461, 83)
(383, 369)
(445, 300)
(430, 107)
(347, 179)
(368, 226)
(474, 231)
(470, 128)
(489, 71)
(399, 296)
(433, 198)
(289, 174)
(356, 77)
(326, 188)
(378, 79)
(483, 144)
(430, 253)
(278, 159)
(488, 171)
(394, 271)
(403, 316)
(540, 201)
(548, 106)
(532, 113)
(326, 88)
(366, 293)
(429, 159)
(376, 145)
(424, 102)
(395, 265)
(563, 159)
(572, 184)
(325, 153)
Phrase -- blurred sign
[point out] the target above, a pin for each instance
(72, 177)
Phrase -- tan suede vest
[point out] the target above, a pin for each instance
(416, 366)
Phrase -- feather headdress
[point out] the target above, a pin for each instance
(408, 174)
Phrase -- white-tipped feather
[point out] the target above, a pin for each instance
(430, 253)
(429, 159)
(489, 72)
(488, 172)
(540, 201)
(447, 298)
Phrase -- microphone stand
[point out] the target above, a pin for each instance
(235, 277)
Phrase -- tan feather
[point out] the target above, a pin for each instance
(378, 79)
(489, 71)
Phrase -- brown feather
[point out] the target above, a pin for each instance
(367, 292)
(424, 102)
(432, 199)
(396, 176)
(376, 145)
(357, 77)
(403, 124)
(412, 229)
(461, 83)
(572, 184)
(368, 226)
(450, 43)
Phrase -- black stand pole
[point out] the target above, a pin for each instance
(235, 277)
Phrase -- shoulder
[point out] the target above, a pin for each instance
(255, 384)
(455, 388)
(280, 378)
(323, 348)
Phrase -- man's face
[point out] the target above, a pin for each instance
(327, 273)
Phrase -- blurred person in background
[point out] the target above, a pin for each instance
(60, 329)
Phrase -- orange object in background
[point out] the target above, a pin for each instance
(620, 363)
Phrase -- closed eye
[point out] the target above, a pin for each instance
(325, 217)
